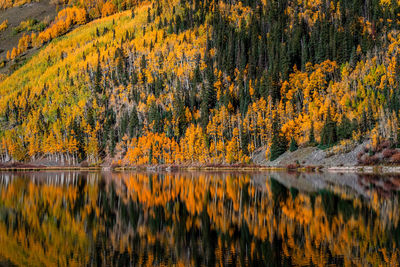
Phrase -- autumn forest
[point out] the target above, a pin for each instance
(138, 82)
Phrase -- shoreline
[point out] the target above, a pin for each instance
(378, 169)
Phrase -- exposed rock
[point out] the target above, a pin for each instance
(311, 156)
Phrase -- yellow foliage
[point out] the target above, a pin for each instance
(3, 25)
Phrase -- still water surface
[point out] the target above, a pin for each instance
(198, 219)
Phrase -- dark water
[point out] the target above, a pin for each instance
(198, 219)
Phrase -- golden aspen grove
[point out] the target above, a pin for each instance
(196, 82)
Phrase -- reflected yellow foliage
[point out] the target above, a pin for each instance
(83, 219)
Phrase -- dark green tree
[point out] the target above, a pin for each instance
(311, 139)
(345, 129)
(133, 124)
(293, 145)
(329, 131)
(208, 94)
(97, 77)
(279, 141)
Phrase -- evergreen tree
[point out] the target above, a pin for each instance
(244, 97)
(293, 145)
(151, 154)
(370, 117)
(345, 129)
(155, 117)
(311, 139)
(124, 122)
(197, 73)
(274, 88)
(113, 143)
(133, 124)
(398, 137)
(264, 92)
(329, 131)
(363, 122)
(244, 136)
(279, 141)
(97, 78)
(209, 95)
(179, 113)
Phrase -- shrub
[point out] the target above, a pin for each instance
(387, 153)
(374, 159)
(3, 25)
(310, 168)
(115, 165)
(395, 158)
(369, 160)
(292, 166)
(345, 146)
(84, 164)
(383, 145)
(27, 25)
(366, 161)
(360, 155)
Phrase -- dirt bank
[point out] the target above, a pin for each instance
(40, 11)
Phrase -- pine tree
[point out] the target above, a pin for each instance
(133, 124)
(279, 142)
(370, 117)
(293, 145)
(244, 137)
(274, 88)
(208, 95)
(363, 122)
(179, 113)
(113, 142)
(264, 92)
(311, 139)
(398, 137)
(197, 73)
(97, 78)
(329, 131)
(244, 97)
(345, 129)
(151, 154)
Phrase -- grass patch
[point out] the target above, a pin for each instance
(30, 25)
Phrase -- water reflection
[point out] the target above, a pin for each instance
(198, 219)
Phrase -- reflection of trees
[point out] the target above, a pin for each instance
(379, 184)
(191, 219)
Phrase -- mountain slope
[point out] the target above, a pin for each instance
(190, 82)
(38, 14)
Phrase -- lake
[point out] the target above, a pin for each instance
(198, 219)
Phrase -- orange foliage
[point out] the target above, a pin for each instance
(108, 9)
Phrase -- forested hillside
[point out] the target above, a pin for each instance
(203, 82)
